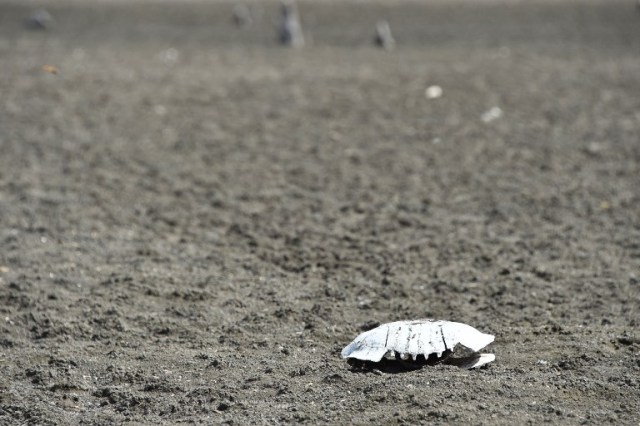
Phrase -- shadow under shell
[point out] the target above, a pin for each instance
(397, 364)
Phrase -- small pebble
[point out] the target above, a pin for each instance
(492, 114)
(39, 20)
(433, 92)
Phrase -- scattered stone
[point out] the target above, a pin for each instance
(39, 20)
(492, 114)
(50, 69)
(169, 56)
(628, 339)
(595, 149)
(433, 92)
(242, 16)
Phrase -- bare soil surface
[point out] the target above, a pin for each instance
(195, 221)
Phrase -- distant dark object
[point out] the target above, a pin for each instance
(242, 15)
(383, 37)
(290, 29)
(39, 20)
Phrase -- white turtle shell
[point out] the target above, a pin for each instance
(413, 338)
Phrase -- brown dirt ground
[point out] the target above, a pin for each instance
(194, 221)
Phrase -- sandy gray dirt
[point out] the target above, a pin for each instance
(194, 221)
